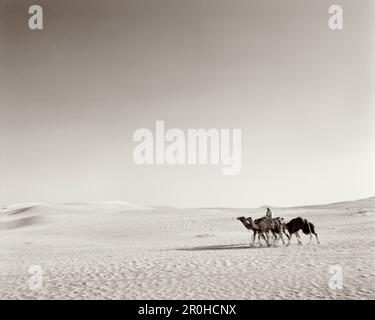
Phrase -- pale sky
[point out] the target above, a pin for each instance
(73, 93)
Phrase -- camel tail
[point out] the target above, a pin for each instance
(308, 228)
(312, 228)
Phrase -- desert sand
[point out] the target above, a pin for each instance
(115, 250)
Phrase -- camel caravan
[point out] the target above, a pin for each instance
(262, 228)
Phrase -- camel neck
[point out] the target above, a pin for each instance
(252, 224)
(246, 223)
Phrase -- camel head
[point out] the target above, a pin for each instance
(245, 222)
(250, 222)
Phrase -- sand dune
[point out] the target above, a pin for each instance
(361, 203)
(117, 250)
(18, 207)
(123, 205)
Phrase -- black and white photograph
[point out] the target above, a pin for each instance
(187, 150)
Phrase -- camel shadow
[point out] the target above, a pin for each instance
(220, 247)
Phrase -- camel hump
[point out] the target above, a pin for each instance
(306, 228)
(259, 219)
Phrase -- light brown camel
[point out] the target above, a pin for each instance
(248, 226)
(263, 227)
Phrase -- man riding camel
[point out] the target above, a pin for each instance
(269, 213)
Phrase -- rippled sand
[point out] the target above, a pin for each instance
(119, 251)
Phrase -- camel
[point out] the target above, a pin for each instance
(266, 224)
(248, 226)
(281, 225)
(279, 229)
(256, 231)
(296, 224)
(262, 226)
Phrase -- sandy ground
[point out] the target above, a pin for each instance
(118, 251)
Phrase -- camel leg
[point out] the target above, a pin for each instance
(282, 239)
(275, 237)
(298, 238)
(257, 234)
(265, 236)
(289, 238)
(266, 239)
(287, 235)
(259, 239)
(253, 239)
(316, 236)
(269, 236)
(310, 238)
(262, 236)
